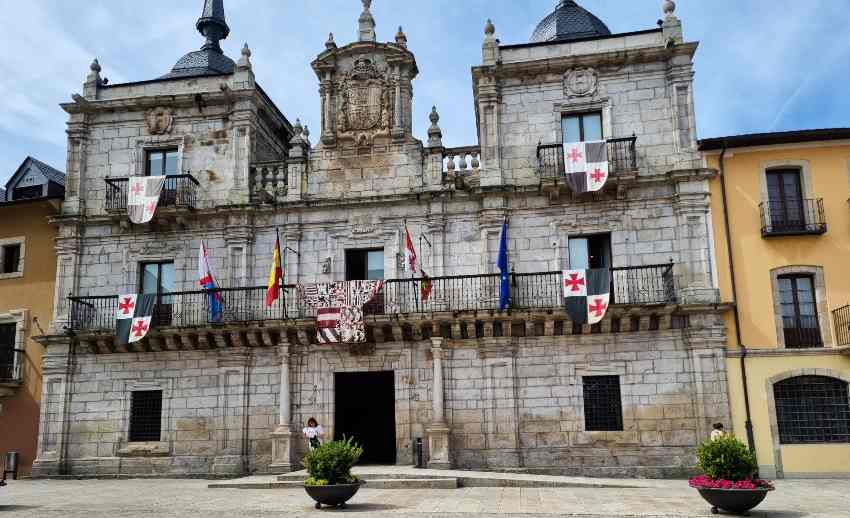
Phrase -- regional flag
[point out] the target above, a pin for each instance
(587, 294)
(133, 317)
(409, 252)
(207, 281)
(143, 197)
(426, 286)
(586, 165)
(275, 275)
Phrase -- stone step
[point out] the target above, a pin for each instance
(378, 483)
(370, 476)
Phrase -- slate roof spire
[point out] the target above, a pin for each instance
(212, 24)
(569, 21)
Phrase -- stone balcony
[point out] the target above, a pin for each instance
(460, 307)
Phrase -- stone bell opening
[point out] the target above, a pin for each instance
(365, 410)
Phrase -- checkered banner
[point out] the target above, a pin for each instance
(586, 165)
(143, 197)
(587, 294)
(134, 315)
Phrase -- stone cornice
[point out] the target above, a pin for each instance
(226, 97)
(778, 352)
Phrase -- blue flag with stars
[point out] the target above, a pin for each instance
(502, 263)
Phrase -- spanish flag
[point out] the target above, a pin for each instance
(275, 274)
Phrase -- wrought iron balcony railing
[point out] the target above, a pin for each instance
(642, 285)
(11, 365)
(179, 191)
(622, 158)
(841, 317)
(786, 217)
(802, 332)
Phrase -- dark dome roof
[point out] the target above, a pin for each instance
(569, 22)
(205, 62)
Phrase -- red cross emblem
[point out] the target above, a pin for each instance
(137, 189)
(150, 208)
(598, 307)
(574, 155)
(597, 175)
(574, 283)
(127, 305)
(139, 329)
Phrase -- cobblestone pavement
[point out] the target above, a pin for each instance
(190, 498)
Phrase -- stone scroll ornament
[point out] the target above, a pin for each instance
(133, 317)
(143, 197)
(587, 294)
(586, 165)
(339, 309)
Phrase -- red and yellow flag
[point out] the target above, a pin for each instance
(275, 275)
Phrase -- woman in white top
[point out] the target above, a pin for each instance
(314, 433)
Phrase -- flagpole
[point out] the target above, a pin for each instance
(282, 272)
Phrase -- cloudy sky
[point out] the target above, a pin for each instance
(763, 65)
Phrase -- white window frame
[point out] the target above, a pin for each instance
(19, 240)
(20, 318)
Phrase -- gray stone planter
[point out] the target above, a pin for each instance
(333, 496)
(736, 501)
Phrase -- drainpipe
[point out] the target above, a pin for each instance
(749, 422)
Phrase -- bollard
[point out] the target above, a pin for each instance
(11, 465)
(419, 460)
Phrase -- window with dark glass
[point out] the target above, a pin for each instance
(161, 162)
(158, 279)
(31, 192)
(785, 200)
(799, 311)
(11, 258)
(603, 406)
(7, 350)
(362, 265)
(812, 409)
(146, 416)
(590, 251)
(585, 127)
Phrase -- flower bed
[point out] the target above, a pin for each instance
(703, 482)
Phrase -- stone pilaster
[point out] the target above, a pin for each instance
(296, 166)
(231, 433)
(57, 366)
(439, 449)
(283, 436)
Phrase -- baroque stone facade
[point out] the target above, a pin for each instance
(484, 388)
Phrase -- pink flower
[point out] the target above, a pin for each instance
(703, 482)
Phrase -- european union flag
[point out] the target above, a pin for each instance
(502, 263)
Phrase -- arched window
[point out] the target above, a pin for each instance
(812, 409)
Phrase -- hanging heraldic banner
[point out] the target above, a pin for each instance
(586, 165)
(143, 197)
(587, 294)
(134, 316)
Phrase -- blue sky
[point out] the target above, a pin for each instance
(763, 65)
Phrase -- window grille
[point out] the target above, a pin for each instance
(812, 409)
(603, 406)
(146, 416)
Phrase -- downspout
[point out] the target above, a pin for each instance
(748, 424)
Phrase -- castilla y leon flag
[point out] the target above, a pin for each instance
(586, 165)
(143, 197)
(134, 317)
(275, 275)
(409, 252)
(587, 294)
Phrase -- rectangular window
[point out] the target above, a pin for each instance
(585, 127)
(785, 200)
(146, 416)
(362, 265)
(590, 251)
(799, 311)
(158, 279)
(10, 255)
(603, 408)
(7, 351)
(161, 162)
(28, 193)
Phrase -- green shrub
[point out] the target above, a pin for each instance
(726, 458)
(331, 463)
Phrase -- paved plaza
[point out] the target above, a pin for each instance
(189, 498)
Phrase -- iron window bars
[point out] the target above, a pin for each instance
(146, 416)
(812, 409)
(603, 406)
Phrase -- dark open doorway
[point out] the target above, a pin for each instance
(365, 410)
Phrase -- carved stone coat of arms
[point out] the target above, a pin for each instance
(365, 104)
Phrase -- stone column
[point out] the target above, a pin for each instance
(438, 431)
(282, 437)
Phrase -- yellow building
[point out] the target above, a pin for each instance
(782, 239)
(27, 275)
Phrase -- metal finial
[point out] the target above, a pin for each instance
(489, 28)
(669, 7)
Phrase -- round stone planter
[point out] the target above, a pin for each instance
(333, 496)
(736, 501)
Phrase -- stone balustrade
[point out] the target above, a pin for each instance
(268, 181)
(462, 165)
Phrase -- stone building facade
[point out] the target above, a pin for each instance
(524, 388)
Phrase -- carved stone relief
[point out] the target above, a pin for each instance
(581, 82)
(365, 107)
(159, 120)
